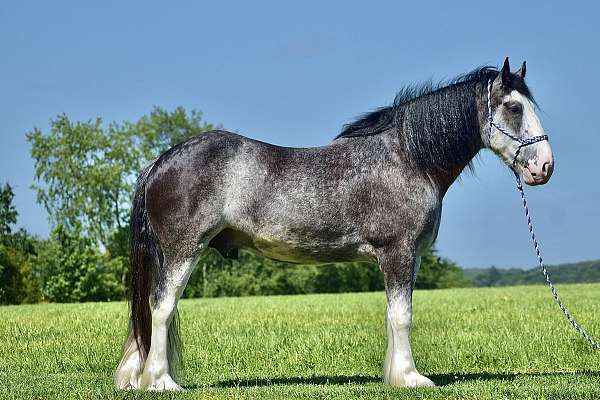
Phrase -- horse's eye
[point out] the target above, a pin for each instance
(514, 107)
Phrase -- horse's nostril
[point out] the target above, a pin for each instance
(547, 168)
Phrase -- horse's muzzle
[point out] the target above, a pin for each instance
(539, 170)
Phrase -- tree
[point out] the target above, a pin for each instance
(161, 129)
(439, 273)
(17, 282)
(72, 269)
(489, 277)
(86, 172)
(8, 212)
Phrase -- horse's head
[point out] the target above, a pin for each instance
(517, 136)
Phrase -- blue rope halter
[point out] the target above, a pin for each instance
(523, 143)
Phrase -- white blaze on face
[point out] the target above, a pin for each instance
(535, 160)
(541, 161)
(531, 125)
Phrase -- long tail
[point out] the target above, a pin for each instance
(145, 260)
(145, 272)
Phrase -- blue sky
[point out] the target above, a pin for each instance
(293, 74)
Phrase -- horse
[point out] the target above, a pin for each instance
(373, 194)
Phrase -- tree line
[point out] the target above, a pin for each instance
(580, 272)
(84, 178)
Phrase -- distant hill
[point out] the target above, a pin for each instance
(581, 272)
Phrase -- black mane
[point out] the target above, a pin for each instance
(435, 122)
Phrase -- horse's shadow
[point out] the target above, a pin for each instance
(299, 380)
(439, 379)
(450, 378)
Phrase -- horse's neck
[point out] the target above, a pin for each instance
(444, 175)
(387, 150)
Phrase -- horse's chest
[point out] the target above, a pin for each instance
(430, 229)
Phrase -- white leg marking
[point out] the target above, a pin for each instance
(399, 367)
(156, 375)
(129, 369)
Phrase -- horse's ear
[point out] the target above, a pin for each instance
(521, 72)
(505, 73)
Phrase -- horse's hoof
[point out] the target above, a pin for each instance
(164, 383)
(127, 379)
(417, 380)
(128, 386)
(411, 380)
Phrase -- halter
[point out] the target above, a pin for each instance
(522, 142)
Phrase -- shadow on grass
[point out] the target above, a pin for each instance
(448, 379)
(439, 379)
(300, 380)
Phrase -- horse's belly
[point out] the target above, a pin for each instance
(292, 249)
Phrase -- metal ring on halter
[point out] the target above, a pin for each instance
(522, 142)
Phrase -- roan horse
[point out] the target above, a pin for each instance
(374, 194)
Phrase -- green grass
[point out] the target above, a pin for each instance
(474, 343)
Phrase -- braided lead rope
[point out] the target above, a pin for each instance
(490, 113)
(577, 327)
(523, 143)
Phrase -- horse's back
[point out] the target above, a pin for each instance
(209, 173)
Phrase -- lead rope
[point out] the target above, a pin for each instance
(577, 327)
(523, 143)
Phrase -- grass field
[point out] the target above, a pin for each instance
(474, 343)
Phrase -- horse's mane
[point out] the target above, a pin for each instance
(435, 121)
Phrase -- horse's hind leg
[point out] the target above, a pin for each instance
(129, 368)
(399, 367)
(163, 358)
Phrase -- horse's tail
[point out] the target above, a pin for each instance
(145, 271)
(145, 257)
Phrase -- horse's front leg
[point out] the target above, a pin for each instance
(399, 367)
